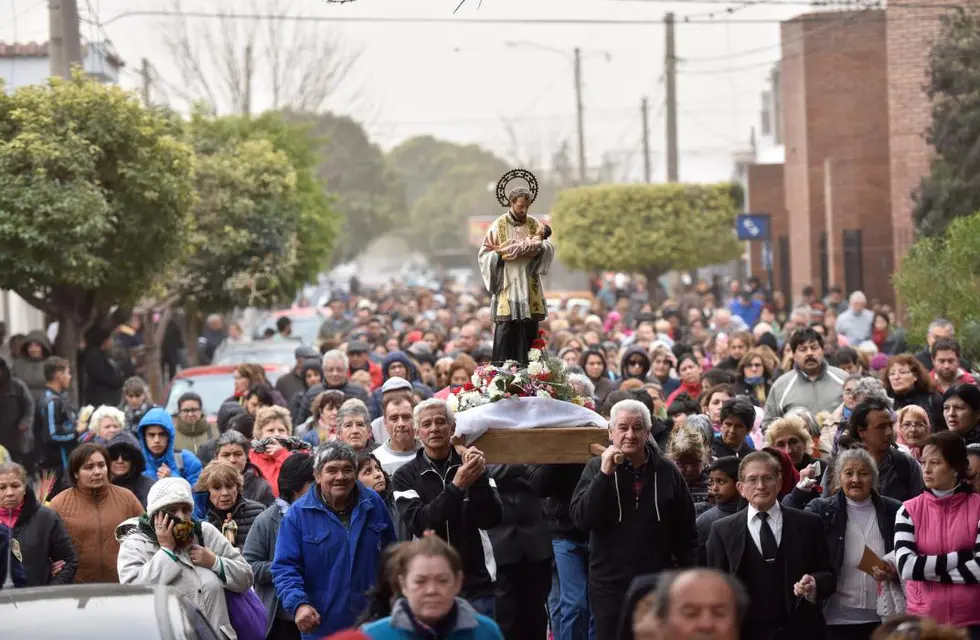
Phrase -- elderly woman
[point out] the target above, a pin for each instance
(233, 447)
(329, 546)
(48, 555)
(430, 576)
(295, 478)
(167, 546)
(91, 511)
(104, 424)
(791, 436)
(354, 426)
(936, 538)
(855, 517)
(227, 508)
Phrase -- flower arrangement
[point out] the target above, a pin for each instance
(544, 377)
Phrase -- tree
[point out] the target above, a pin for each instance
(95, 195)
(445, 184)
(940, 278)
(952, 187)
(647, 228)
(366, 190)
(224, 62)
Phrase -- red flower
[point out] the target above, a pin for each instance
(539, 344)
(542, 333)
(818, 489)
(468, 386)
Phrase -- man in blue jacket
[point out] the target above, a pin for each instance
(156, 436)
(329, 546)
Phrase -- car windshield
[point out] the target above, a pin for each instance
(305, 328)
(213, 388)
(265, 352)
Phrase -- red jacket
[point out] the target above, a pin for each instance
(962, 377)
(377, 375)
(268, 466)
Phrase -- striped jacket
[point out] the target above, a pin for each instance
(937, 549)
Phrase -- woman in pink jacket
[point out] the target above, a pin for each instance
(937, 537)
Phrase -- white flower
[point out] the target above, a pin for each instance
(477, 382)
(537, 368)
(496, 392)
(542, 394)
(452, 402)
(534, 355)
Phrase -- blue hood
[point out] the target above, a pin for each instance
(157, 417)
(399, 356)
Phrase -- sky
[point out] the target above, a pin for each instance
(507, 87)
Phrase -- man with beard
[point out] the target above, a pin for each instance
(812, 383)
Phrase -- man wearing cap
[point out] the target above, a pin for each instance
(516, 252)
(391, 386)
(292, 383)
(360, 360)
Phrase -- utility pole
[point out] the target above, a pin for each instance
(580, 117)
(645, 115)
(247, 98)
(145, 77)
(64, 38)
(670, 87)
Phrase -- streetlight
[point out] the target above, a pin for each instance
(576, 59)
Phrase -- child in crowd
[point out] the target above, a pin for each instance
(723, 493)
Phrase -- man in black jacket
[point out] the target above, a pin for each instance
(638, 511)
(522, 551)
(556, 483)
(452, 496)
(780, 555)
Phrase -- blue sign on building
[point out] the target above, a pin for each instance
(752, 226)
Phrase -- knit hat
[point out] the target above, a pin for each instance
(166, 492)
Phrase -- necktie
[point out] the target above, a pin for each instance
(767, 538)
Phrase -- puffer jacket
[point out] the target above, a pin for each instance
(141, 561)
(91, 518)
(244, 512)
(936, 542)
(43, 539)
(259, 550)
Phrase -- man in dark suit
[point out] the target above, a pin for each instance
(778, 553)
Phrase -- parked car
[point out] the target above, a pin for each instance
(270, 351)
(306, 323)
(214, 384)
(102, 612)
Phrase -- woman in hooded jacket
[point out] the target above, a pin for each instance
(28, 366)
(166, 545)
(126, 465)
(593, 362)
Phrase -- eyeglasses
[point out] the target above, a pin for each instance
(757, 480)
(190, 411)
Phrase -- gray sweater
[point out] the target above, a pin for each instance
(259, 550)
(795, 389)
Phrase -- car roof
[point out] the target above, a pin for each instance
(223, 370)
(104, 611)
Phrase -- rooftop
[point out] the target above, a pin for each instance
(40, 50)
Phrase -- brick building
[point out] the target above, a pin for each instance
(852, 116)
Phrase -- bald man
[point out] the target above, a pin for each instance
(696, 604)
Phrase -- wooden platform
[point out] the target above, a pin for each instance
(542, 446)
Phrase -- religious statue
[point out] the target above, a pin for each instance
(516, 252)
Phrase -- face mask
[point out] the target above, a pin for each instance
(754, 380)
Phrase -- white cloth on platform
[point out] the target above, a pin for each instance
(524, 413)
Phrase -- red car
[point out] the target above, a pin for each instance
(214, 384)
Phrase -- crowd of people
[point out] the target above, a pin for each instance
(773, 471)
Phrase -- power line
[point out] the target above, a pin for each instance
(838, 19)
(432, 20)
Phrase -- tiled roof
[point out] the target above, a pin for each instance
(40, 50)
